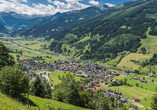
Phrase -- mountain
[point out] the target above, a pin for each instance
(106, 34)
(8, 20)
(104, 7)
(31, 22)
(49, 27)
(23, 16)
(3, 29)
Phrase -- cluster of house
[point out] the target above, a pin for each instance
(95, 74)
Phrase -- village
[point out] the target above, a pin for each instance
(92, 75)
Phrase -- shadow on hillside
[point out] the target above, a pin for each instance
(24, 101)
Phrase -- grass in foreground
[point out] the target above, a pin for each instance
(7, 103)
(44, 103)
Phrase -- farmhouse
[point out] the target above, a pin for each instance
(141, 80)
(136, 99)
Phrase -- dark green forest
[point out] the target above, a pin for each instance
(119, 31)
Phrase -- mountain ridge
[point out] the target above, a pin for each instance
(106, 36)
(58, 24)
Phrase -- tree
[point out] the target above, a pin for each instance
(152, 80)
(38, 88)
(143, 50)
(68, 89)
(153, 72)
(125, 81)
(59, 77)
(154, 101)
(137, 85)
(13, 81)
(101, 102)
(5, 58)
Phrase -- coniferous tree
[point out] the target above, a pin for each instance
(38, 87)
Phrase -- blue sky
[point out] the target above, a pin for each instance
(50, 7)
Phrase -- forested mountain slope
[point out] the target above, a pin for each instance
(108, 33)
(8, 20)
(3, 29)
(49, 27)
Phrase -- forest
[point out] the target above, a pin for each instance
(120, 32)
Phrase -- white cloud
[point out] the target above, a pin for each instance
(110, 5)
(20, 6)
(15, 5)
(67, 5)
(94, 2)
(24, 1)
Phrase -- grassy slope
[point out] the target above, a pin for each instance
(7, 103)
(126, 63)
(44, 103)
(149, 43)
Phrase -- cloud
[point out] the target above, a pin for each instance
(24, 1)
(21, 7)
(18, 7)
(94, 2)
(110, 5)
(68, 5)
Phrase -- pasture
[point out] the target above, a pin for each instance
(54, 76)
(27, 53)
(143, 91)
(127, 64)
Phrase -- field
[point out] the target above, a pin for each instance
(54, 76)
(144, 91)
(149, 43)
(127, 64)
(31, 50)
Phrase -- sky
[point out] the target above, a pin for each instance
(50, 7)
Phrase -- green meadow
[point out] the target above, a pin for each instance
(127, 64)
(7, 103)
(144, 91)
(29, 53)
(43, 103)
(54, 76)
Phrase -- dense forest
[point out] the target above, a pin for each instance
(119, 31)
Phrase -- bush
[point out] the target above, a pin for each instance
(13, 81)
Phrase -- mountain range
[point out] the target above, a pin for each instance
(52, 26)
(14, 21)
(97, 33)
(108, 33)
